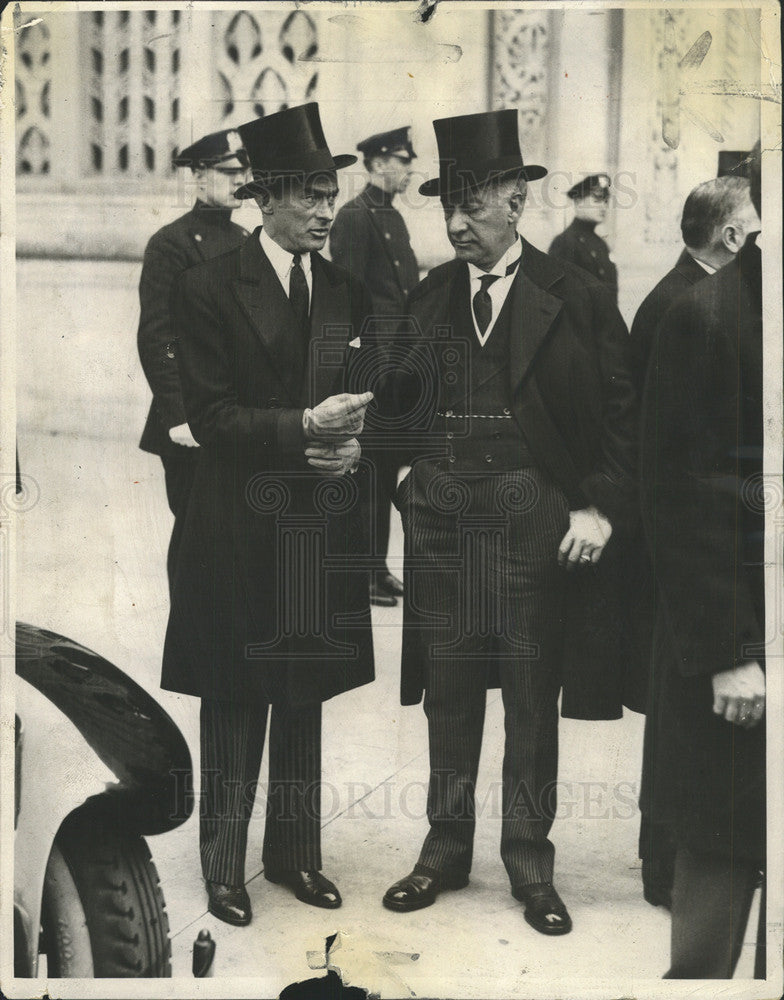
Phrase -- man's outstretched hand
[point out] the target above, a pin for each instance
(337, 418)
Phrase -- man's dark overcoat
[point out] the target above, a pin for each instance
(687, 272)
(703, 495)
(201, 234)
(580, 244)
(575, 405)
(370, 239)
(269, 596)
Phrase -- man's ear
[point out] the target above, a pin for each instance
(516, 205)
(265, 203)
(732, 237)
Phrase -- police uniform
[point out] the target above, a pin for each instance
(202, 233)
(370, 239)
(579, 243)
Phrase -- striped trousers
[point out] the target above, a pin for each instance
(486, 577)
(232, 741)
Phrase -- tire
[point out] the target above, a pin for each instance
(103, 908)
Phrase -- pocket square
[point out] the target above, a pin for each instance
(355, 342)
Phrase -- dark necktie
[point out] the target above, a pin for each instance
(483, 305)
(298, 294)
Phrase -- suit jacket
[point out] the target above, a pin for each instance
(370, 239)
(701, 478)
(574, 402)
(200, 234)
(687, 272)
(579, 244)
(269, 594)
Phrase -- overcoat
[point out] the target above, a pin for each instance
(579, 244)
(202, 233)
(686, 272)
(370, 239)
(703, 511)
(573, 400)
(270, 595)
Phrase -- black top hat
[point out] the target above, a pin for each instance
(289, 143)
(598, 184)
(396, 142)
(734, 163)
(476, 148)
(212, 149)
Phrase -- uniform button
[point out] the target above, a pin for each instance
(197, 237)
(388, 235)
(601, 270)
(488, 458)
(593, 254)
(397, 263)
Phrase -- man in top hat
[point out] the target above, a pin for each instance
(370, 239)
(219, 165)
(579, 242)
(516, 402)
(270, 611)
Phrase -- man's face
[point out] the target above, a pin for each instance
(396, 173)
(592, 208)
(481, 224)
(299, 219)
(217, 186)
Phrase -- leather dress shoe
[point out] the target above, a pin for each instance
(380, 597)
(544, 908)
(308, 887)
(388, 584)
(415, 892)
(229, 903)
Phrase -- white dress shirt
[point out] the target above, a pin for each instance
(499, 289)
(282, 261)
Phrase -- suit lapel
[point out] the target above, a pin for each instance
(330, 324)
(534, 310)
(267, 309)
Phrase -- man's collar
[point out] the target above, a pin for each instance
(212, 213)
(378, 196)
(281, 259)
(708, 268)
(501, 266)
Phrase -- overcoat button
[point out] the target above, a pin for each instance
(197, 237)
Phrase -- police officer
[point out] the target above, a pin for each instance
(219, 166)
(579, 242)
(370, 239)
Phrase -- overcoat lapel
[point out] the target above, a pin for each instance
(329, 300)
(269, 313)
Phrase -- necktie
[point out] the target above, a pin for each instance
(298, 294)
(483, 306)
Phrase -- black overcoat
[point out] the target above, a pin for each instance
(202, 233)
(370, 239)
(270, 595)
(703, 510)
(573, 399)
(579, 244)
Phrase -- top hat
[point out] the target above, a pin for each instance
(473, 149)
(734, 163)
(596, 184)
(396, 142)
(212, 149)
(289, 143)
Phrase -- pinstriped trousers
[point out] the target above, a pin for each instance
(232, 741)
(487, 577)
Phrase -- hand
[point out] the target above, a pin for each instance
(181, 434)
(589, 532)
(739, 694)
(337, 418)
(334, 459)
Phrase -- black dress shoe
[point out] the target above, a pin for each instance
(229, 903)
(415, 892)
(388, 584)
(308, 887)
(544, 908)
(380, 597)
